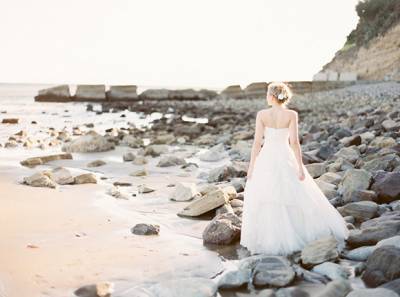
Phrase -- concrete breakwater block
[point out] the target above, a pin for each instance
(59, 93)
(90, 93)
(127, 92)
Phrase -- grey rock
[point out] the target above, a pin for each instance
(382, 266)
(146, 229)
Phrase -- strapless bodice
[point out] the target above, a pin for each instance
(276, 135)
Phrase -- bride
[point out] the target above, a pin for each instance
(283, 208)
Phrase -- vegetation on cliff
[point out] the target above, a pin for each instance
(376, 18)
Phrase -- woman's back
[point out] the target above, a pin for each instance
(277, 118)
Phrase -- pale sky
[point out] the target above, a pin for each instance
(181, 43)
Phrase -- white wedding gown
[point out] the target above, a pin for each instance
(281, 213)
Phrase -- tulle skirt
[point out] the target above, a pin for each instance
(281, 213)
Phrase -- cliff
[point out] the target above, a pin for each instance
(372, 49)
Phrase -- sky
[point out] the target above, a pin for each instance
(171, 43)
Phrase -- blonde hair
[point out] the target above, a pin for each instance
(280, 91)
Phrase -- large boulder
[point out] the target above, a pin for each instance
(40, 179)
(90, 93)
(361, 211)
(353, 180)
(374, 230)
(382, 266)
(387, 186)
(211, 200)
(59, 93)
(88, 143)
(223, 229)
(319, 251)
(273, 271)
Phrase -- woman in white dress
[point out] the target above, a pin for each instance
(283, 209)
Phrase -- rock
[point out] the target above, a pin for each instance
(382, 266)
(354, 179)
(325, 152)
(214, 154)
(319, 251)
(140, 160)
(360, 254)
(361, 211)
(128, 92)
(10, 121)
(154, 94)
(190, 94)
(129, 156)
(96, 163)
(361, 195)
(132, 141)
(59, 93)
(146, 229)
(331, 178)
(335, 288)
(387, 186)
(234, 278)
(140, 172)
(332, 270)
(374, 230)
(155, 150)
(31, 162)
(104, 289)
(122, 184)
(226, 172)
(39, 179)
(377, 292)
(223, 229)
(350, 154)
(309, 276)
(316, 169)
(383, 141)
(184, 192)
(386, 162)
(62, 176)
(164, 139)
(90, 93)
(143, 189)
(290, 292)
(188, 286)
(88, 143)
(209, 201)
(390, 125)
(274, 271)
(393, 285)
(171, 160)
(328, 189)
(118, 193)
(86, 178)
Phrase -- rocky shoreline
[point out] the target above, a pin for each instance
(350, 140)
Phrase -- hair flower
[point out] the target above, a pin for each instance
(281, 96)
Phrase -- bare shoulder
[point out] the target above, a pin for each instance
(293, 113)
(262, 112)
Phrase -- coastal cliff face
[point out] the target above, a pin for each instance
(372, 50)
